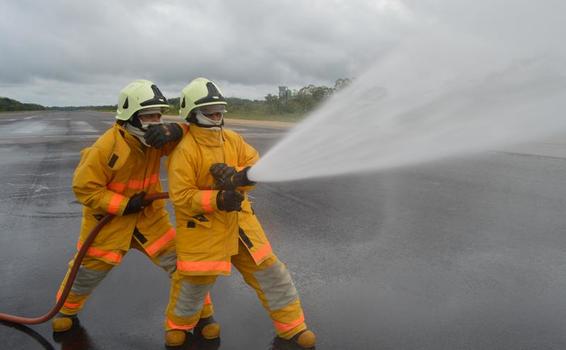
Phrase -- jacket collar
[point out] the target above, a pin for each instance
(212, 137)
(124, 143)
(130, 140)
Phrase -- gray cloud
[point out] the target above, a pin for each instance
(248, 45)
(83, 52)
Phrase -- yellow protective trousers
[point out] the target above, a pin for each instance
(93, 271)
(270, 280)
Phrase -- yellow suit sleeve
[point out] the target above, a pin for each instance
(247, 156)
(91, 177)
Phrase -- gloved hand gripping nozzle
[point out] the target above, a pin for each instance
(227, 178)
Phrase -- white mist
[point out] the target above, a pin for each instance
(437, 94)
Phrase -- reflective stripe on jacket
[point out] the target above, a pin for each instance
(113, 169)
(208, 237)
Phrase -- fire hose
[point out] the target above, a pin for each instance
(74, 269)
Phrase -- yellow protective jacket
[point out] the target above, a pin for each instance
(206, 236)
(113, 169)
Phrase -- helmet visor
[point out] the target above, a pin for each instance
(150, 111)
(212, 109)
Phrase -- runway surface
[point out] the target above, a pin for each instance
(464, 253)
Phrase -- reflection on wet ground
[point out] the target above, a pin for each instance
(77, 338)
(29, 332)
(282, 344)
(74, 339)
(459, 254)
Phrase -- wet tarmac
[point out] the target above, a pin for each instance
(458, 254)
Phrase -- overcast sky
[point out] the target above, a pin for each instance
(83, 52)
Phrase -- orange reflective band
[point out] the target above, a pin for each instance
(207, 201)
(67, 304)
(172, 325)
(207, 299)
(262, 252)
(135, 184)
(114, 205)
(103, 254)
(285, 327)
(161, 242)
(203, 266)
(141, 184)
(153, 179)
(117, 187)
(72, 305)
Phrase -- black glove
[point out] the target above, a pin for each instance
(227, 178)
(229, 200)
(135, 203)
(158, 135)
(221, 173)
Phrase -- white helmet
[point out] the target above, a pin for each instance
(199, 93)
(138, 95)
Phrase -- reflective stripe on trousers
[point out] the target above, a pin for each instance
(168, 262)
(271, 281)
(87, 279)
(275, 289)
(189, 300)
(107, 255)
(91, 272)
(277, 286)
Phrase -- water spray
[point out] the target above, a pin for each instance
(432, 97)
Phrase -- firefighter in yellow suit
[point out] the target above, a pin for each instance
(216, 226)
(112, 177)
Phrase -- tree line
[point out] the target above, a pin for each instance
(292, 103)
(288, 103)
(303, 100)
(8, 104)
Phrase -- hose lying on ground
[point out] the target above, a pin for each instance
(74, 270)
